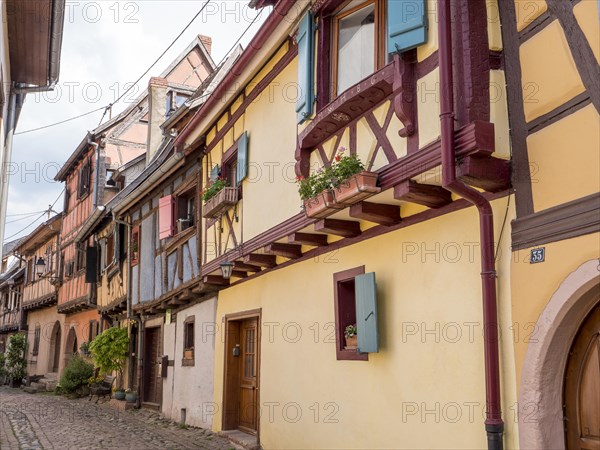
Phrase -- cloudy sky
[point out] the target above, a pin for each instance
(106, 45)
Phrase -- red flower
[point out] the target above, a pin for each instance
(299, 178)
(338, 157)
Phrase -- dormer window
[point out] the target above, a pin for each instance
(174, 101)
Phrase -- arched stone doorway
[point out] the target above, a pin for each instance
(71, 345)
(542, 376)
(54, 356)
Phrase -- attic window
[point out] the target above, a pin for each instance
(175, 100)
(85, 173)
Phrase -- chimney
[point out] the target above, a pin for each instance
(206, 41)
(157, 109)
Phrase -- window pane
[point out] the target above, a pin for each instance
(356, 47)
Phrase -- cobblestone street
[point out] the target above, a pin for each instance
(46, 421)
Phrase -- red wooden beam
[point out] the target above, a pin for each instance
(239, 274)
(422, 194)
(344, 228)
(316, 240)
(216, 280)
(260, 260)
(286, 250)
(490, 174)
(237, 265)
(376, 212)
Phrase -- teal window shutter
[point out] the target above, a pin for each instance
(214, 173)
(306, 59)
(365, 290)
(242, 159)
(407, 24)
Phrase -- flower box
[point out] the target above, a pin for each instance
(226, 198)
(356, 188)
(321, 206)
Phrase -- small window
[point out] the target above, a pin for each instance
(79, 258)
(345, 313)
(36, 341)
(188, 341)
(85, 172)
(109, 181)
(110, 249)
(355, 44)
(185, 213)
(174, 101)
(135, 245)
(93, 330)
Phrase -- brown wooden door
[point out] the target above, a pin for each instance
(152, 366)
(582, 387)
(248, 375)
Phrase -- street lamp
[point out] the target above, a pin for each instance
(226, 269)
(40, 268)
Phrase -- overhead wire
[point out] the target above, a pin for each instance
(37, 219)
(110, 105)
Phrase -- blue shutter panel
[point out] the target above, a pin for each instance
(407, 24)
(366, 313)
(242, 159)
(214, 173)
(306, 58)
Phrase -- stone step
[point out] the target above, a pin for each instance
(40, 386)
(30, 389)
(51, 385)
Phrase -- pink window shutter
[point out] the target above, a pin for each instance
(165, 217)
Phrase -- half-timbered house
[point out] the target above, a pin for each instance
(11, 311)
(175, 360)
(416, 91)
(39, 251)
(89, 186)
(551, 55)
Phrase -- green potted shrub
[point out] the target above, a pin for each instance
(75, 375)
(16, 364)
(109, 351)
(350, 336)
(85, 348)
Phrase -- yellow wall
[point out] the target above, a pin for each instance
(533, 284)
(368, 398)
(564, 159)
(549, 75)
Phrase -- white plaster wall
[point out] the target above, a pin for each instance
(191, 387)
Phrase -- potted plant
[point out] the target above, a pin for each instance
(350, 336)
(109, 351)
(131, 395)
(217, 197)
(316, 193)
(134, 251)
(16, 363)
(85, 348)
(352, 183)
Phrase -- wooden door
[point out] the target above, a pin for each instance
(55, 344)
(248, 369)
(152, 366)
(582, 387)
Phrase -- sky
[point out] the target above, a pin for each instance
(107, 45)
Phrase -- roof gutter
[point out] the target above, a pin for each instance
(85, 229)
(256, 44)
(494, 425)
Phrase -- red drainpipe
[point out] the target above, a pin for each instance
(277, 15)
(493, 416)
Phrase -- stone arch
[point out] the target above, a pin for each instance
(541, 388)
(54, 354)
(70, 345)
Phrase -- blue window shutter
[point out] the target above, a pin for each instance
(365, 290)
(214, 173)
(242, 159)
(407, 24)
(306, 60)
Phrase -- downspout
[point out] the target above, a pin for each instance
(494, 424)
(4, 161)
(129, 312)
(96, 171)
